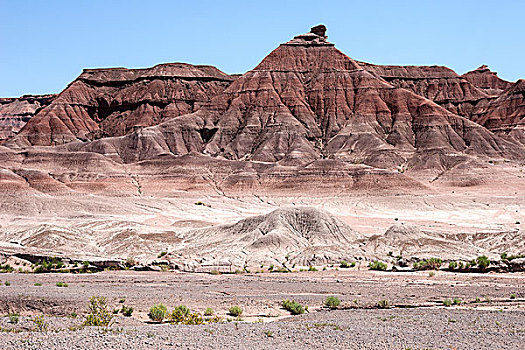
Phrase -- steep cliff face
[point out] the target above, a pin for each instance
(114, 102)
(479, 95)
(505, 115)
(487, 80)
(307, 100)
(15, 112)
(437, 83)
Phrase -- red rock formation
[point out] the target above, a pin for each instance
(437, 83)
(487, 80)
(306, 101)
(505, 115)
(15, 112)
(114, 102)
(478, 95)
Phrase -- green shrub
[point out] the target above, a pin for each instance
(6, 268)
(182, 315)
(193, 319)
(293, 307)
(452, 265)
(37, 284)
(428, 264)
(215, 272)
(447, 302)
(332, 302)
(384, 304)
(61, 284)
(346, 265)
(162, 254)
(507, 257)
(208, 312)
(48, 265)
(126, 310)
(483, 262)
(215, 319)
(235, 311)
(13, 318)
(7, 283)
(456, 301)
(40, 323)
(377, 265)
(98, 313)
(513, 296)
(158, 312)
(179, 314)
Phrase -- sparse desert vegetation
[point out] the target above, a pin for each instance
(332, 302)
(235, 311)
(293, 307)
(377, 265)
(98, 313)
(388, 301)
(158, 312)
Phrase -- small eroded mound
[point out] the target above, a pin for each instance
(287, 236)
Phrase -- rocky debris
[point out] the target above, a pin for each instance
(487, 80)
(15, 112)
(116, 101)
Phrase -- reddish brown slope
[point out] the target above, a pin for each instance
(505, 115)
(307, 100)
(487, 80)
(437, 83)
(113, 102)
(15, 112)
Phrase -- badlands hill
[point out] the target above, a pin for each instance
(180, 157)
(15, 112)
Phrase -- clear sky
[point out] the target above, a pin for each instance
(45, 44)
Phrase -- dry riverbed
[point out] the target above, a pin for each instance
(489, 311)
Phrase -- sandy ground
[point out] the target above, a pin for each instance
(417, 319)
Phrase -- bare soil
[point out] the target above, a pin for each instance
(491, 313)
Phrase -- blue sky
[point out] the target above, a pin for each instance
(46, 44)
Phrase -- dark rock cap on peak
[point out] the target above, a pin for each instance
(319, 30)
(316, 37)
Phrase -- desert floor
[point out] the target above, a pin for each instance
(491, 313)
